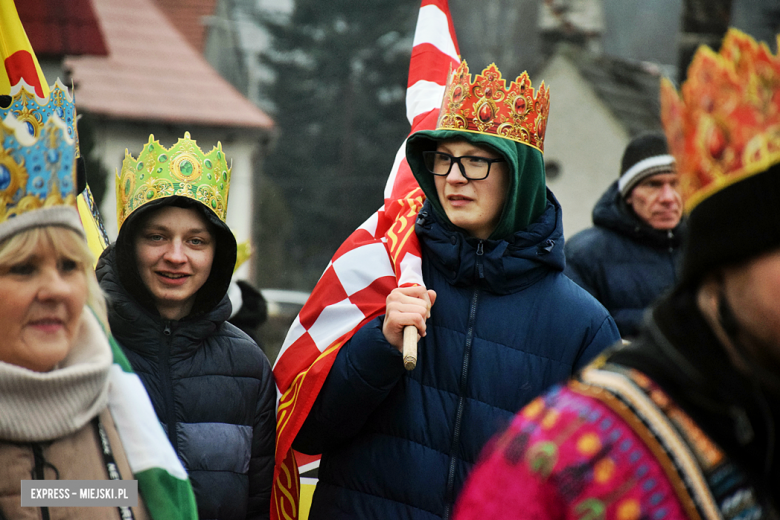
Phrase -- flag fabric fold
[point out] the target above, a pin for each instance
(382, 254)
(97, 238)
(19, 61)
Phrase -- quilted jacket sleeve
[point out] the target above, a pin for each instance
(578, 268)
(261, 465)
(365, 371)
(606, 335)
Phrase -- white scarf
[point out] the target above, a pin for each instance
(42, 406)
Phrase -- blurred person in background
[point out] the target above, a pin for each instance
(64, 410)
(683, 422)
(250, 309)
(167, 277)
(632, 253)
(499, 321)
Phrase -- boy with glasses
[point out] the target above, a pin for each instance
(499, 321)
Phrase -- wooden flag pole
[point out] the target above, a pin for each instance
(410, 347)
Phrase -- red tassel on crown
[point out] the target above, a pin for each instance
(487, 106)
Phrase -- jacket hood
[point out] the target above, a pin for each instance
(612, 212)
(502, 266)
(526, 199)
(216, 286)
(137, 326)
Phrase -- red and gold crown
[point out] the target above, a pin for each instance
(487, 106)
(726, 125)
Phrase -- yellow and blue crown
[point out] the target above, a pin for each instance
(181, 170)
(34, 111)
(35, 171)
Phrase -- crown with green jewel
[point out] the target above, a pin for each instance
(182, 170)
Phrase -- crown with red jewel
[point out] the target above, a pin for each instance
(725, 125)
(487, 106)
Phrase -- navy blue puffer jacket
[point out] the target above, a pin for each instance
(506, 325)
(213, 391)
(622, 261)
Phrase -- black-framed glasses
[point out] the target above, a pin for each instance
(472, 167)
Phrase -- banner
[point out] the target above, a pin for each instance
(380, 255)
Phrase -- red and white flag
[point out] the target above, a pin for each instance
(380, 255)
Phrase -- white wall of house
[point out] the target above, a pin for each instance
(240, 147)
(584, 137)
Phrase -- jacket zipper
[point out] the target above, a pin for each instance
(450, 491)
(167, 386)
(480, 268)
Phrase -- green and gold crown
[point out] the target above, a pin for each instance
(182, 170)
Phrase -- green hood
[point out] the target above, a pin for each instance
(527, 197)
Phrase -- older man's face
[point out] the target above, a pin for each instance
(657, 200)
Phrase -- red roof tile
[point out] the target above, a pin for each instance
(153, 74)
(56, 28)
(187, 16)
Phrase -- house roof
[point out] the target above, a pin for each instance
(56, 29)
(630, 89)
(187, 16)
(153, 74)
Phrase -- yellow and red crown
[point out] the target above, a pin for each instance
(726, 125)
(487, 106)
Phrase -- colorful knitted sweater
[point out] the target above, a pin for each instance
(610, 445)
(664, 429)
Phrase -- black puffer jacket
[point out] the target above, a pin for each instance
(622, 261)
(210, 384)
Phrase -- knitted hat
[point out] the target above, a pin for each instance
(646, 155)
(723, 131)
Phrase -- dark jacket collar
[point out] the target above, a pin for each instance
(500, 266)
(139, 328)
(612, 212)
